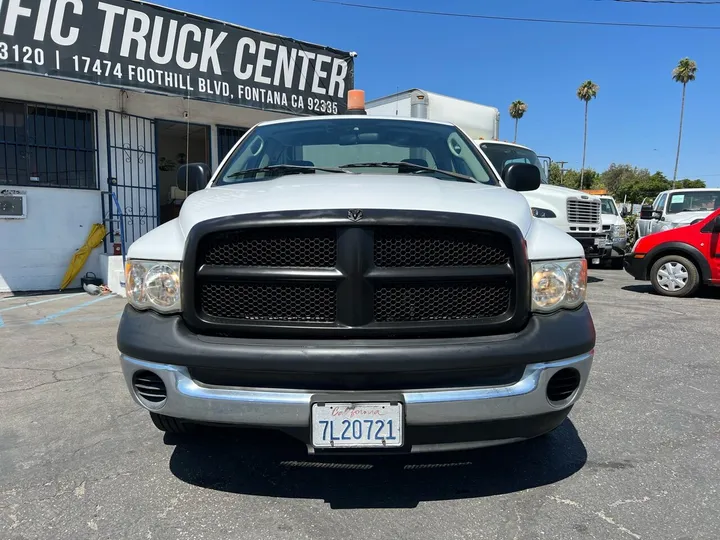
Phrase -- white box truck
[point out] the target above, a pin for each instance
(575, 212)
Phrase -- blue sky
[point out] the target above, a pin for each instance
(633, 120)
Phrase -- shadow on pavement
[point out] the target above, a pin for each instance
(593, 279)
(712, 293)
(274, 465)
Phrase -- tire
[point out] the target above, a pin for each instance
(171, 425)
(684, 276)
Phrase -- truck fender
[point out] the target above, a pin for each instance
(687, 250)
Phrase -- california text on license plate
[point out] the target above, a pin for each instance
(357, 425)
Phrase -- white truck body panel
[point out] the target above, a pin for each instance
(671, 220)
(383, 192)
(482, 124)
(478, 121)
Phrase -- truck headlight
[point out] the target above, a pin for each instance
(153, 285)
(542, 213)
(558, 284)
(619, 231)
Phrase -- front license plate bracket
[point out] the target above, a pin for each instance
(354, 422)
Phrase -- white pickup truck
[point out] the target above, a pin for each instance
(677, 208)
(324, 283)
(575, 212)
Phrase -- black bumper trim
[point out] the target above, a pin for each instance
(165, 339)
(636, 266)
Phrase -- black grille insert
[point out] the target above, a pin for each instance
(441, 302)
(412, 247)
(149, 386)
(562, 385)
(302, 247)
(393, 274)
(269, 302)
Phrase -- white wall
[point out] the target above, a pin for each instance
(35, 252)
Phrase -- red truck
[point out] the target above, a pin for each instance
(678, 261)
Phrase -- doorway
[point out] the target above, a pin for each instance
(178, 143)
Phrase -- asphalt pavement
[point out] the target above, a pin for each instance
(638, 458)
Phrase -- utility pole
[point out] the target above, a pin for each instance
(562, 169)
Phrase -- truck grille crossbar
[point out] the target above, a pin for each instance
(587, 212)
(378, 278)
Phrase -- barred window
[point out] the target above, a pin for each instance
(43, 145)
(227, 137)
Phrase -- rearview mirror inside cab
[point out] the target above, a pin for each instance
(521, 177)
(193, 177)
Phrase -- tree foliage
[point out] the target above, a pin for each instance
(623, 181)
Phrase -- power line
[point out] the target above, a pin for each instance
(517, 19)
(689, 2)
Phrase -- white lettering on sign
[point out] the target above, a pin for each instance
(263, 62)
(181, 59)
(157, 38)
(243, 43)
(285, 66)
(337, 77)
(321, 59)
(210, 51)
(306, 57)
(56, 31)
(14, 10)
(110, 13)
(131, 33)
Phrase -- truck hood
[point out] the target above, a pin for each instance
(685, 218)
(366, 191)
(563, 192)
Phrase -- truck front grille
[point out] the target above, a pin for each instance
(579, 211)
(384, 277)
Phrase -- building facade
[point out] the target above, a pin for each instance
(101, 102)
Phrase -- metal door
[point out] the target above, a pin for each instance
(132, 168)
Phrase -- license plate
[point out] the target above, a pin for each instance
(357, 425)
(600, 242)
(596, 261)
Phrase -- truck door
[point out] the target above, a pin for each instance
(649, 226)
(710, 246)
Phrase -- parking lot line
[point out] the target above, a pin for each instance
(53, 299)
(73, 309)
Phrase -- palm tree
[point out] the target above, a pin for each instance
(587, 91)
(517, 110)
(683, 73)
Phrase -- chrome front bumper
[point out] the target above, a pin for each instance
(289, 408)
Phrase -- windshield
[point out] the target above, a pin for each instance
(502, 155)
(360, 145)
(693, 201)
(608, 207)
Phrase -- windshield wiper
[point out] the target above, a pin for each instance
(286, 168)
(415, 166)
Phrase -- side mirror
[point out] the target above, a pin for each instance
(646, 212)
(521, 177)
(657, 214)
(193, 177)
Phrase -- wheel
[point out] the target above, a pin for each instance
(616, 263)
(169, 424)
(674, 275)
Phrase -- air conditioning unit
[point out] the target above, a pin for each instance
(13, 206)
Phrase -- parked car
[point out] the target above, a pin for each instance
(677, 208)
(614, 226)
(326, 282)
(678, 261)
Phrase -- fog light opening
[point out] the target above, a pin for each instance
(149, 388)
(563, 385)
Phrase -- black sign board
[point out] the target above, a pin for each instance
(135, 45)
